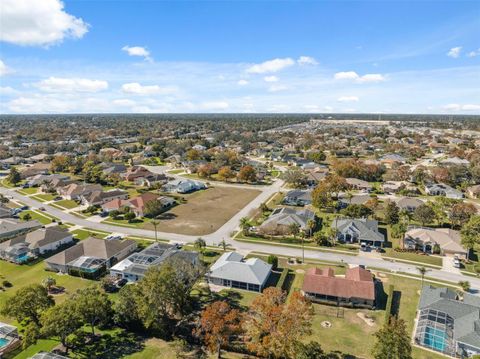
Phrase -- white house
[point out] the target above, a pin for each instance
(232, 270)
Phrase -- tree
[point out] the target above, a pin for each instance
(294, 177)
(155, 224)
(424, 214)
(206, 170)
(126, 308)
(317, 157)
(153, 208)
(311, 224)
(470, 233)
(200, 245)
(322, 196)
(313, 350)
(225, 173)
(461, 213)
(92, 173)
(245, 225)
(93, 306)
(398, 231)
(193, 155)
(274, 327)
(27, 217)
(392, 341)
(48, 283)
(294, 229)
(391, 212)
(247, 174)
(14, 176)
(28, 303)
(129, 216)
(61, 321)
(218, 323)
(465, 285)
(224, 244)
(356, 211)
(273, 260)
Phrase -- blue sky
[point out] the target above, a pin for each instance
(231, 56)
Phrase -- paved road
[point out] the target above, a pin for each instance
(229, 227)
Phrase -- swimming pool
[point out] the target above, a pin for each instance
(4, 342)
(435, 339)
(23, 258)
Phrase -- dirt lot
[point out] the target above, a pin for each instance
(205, 211)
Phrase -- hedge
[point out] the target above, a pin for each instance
(388, 307)
(283, 277)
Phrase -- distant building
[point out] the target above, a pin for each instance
(448, 323)
(441, 189)
(359, 231)
(425, 239)
(298, 197)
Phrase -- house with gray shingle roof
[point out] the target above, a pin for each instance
(282, 218)
(359, 231)
(232, 270)
(10, 227)
(448, 323)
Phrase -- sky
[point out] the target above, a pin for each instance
(88, 56)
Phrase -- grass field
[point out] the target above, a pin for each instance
(82, 234)
(23, 275)
(43, 219)
(68, 204)
(28, 191)
(44, 197)
(205, 211)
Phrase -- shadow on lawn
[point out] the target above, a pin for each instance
(110, 346)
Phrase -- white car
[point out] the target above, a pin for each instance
(456, 262)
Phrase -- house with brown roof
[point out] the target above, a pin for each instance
(138, 204)
(426, 239)
(75, 191)
(36, 169)
(356, 289)
(473, 191)
(359, 184)
(91, 257)
(97, 198)
(136, 172)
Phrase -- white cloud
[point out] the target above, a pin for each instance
(458, 107)
(274, 65)
(38, 23)
(474, 53)
(471, 107)
(352, 75)
(307, 60)
(270, 78)
(136, 88)
(60, 84)
(7, 90)
(454, 52)
(4, 69)
(214, 105)
(137, 51)
(242, 82)
(348, 99)
(124, 102)
(277, 88)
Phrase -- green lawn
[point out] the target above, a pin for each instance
(28, 191)
(66, 203)
(45, 345)
(23, 275)
(82, 234)
(176, 172)
(428, 260)
(46, 197)
(43, 219)
(137, 223)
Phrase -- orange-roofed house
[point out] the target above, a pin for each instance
(356, 289)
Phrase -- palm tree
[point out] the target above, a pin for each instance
(302, 235)
(224, 244)
(294, 229)
(200, 244)
(155, 224)
(465, 285)
(48, 283)
(422, 270)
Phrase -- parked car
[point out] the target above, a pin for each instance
(42, 209)
(456, 262)
(120, 283)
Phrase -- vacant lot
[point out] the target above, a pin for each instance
(205, 211)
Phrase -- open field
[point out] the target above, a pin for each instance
(205, 211)
(68, 204)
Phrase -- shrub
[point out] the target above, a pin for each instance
(282, 279)
(388, 307)
(7, 284)
(273, 260)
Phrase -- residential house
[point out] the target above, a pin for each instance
(91, 256)
(5, 212)
(281, 220)
(138, 204)
(42, 157)
(393, 158)
(97, 198)
(36, 169)
(298, 197)
(391, 187)
(11, 227)
(447, 240)
(39, 242)
(136, 172)
(409, 204)
(448, 322)
(474, 191)
(233, 271)
(455, 161)
(74, 191)
(345, 201)
(47, 355)
(184, 186)
(359, 184)
(134, 267)
(193, 166)
(441, 189)
(110, 168)
(314, 178)
(356, 289)
(358, 231)
(151, 180)
(40, 179)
